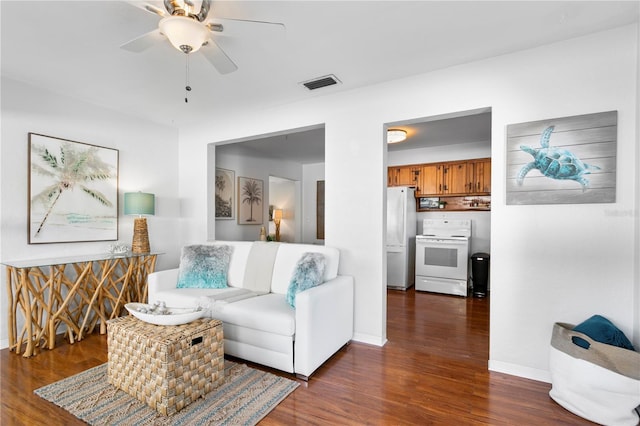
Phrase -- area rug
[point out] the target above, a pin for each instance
(245, 397)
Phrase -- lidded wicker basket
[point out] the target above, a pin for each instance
(166, 367)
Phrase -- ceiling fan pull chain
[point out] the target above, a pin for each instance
(187, 88)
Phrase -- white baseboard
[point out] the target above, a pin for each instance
(369, 339)
(4, 343)
(520, 371)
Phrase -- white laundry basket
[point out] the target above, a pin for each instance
(601, 383)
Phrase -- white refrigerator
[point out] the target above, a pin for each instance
(401, 237)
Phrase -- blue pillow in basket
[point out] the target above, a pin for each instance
(601, 330)
(204, 266)
(309, 272)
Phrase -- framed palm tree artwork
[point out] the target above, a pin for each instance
(250, 201)
(73, 191)
(225, 193)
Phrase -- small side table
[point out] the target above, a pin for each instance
(166, 367)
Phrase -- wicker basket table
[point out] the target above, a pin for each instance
(166, 367)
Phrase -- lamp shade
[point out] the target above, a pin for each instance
(139, 203)
(277, 214)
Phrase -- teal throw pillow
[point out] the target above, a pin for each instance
(309, 272)
(204, 266)
(601, 330)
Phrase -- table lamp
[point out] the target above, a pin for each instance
(139, 203)
(277, 217)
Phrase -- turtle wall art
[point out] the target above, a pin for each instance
(567, 160)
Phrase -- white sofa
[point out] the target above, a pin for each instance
(264, 328)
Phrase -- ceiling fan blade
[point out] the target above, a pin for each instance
(143, 42)
(246, 28)
(147, 7)
(218, 58)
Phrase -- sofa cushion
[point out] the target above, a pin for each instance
(259, 268)
(192, 297)
(204, 266)
(238, 262)
(287, 258)
(308, 273)
(269, 312)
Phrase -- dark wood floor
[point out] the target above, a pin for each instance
(433, 371)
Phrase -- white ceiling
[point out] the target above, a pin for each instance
(73, 47)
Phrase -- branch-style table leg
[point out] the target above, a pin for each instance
(47, 300)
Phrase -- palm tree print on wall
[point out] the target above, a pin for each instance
(224, 193)
(250, 195)
(73, 191)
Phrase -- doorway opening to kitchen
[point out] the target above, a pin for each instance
(443, 163)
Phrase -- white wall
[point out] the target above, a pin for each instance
(147, 162)
(548, 263)
(463, 151)
(564, 263)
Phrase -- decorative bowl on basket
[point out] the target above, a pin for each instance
(161, 315)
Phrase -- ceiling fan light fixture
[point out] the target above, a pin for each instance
(185, 34)
(396, 135)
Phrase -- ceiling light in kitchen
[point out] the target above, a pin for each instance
(396, 135)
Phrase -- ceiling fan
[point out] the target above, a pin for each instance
(186, 25)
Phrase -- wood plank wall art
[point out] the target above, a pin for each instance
(568, 160)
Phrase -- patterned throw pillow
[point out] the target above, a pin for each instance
(204, 266)
(309, 272)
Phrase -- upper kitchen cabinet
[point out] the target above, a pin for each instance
(431, 179)
(453, 178)
(472, 177)
(457, 177)
(479, 173)
(443, 178)
(404, 176)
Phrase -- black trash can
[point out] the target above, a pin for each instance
(479, 273)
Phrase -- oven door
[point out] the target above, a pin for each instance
(442, 257)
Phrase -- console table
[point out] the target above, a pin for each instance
(78, 291)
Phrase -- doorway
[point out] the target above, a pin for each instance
(284, 207)
(461, 137)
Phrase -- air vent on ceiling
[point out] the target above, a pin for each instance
(317, 83)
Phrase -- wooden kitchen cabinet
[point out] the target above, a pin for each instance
(393, 174)
(452, 178)
(479, 176)
(458, 182)
(430, 179)
(484, 177)
(441, 178)
(404, 176)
